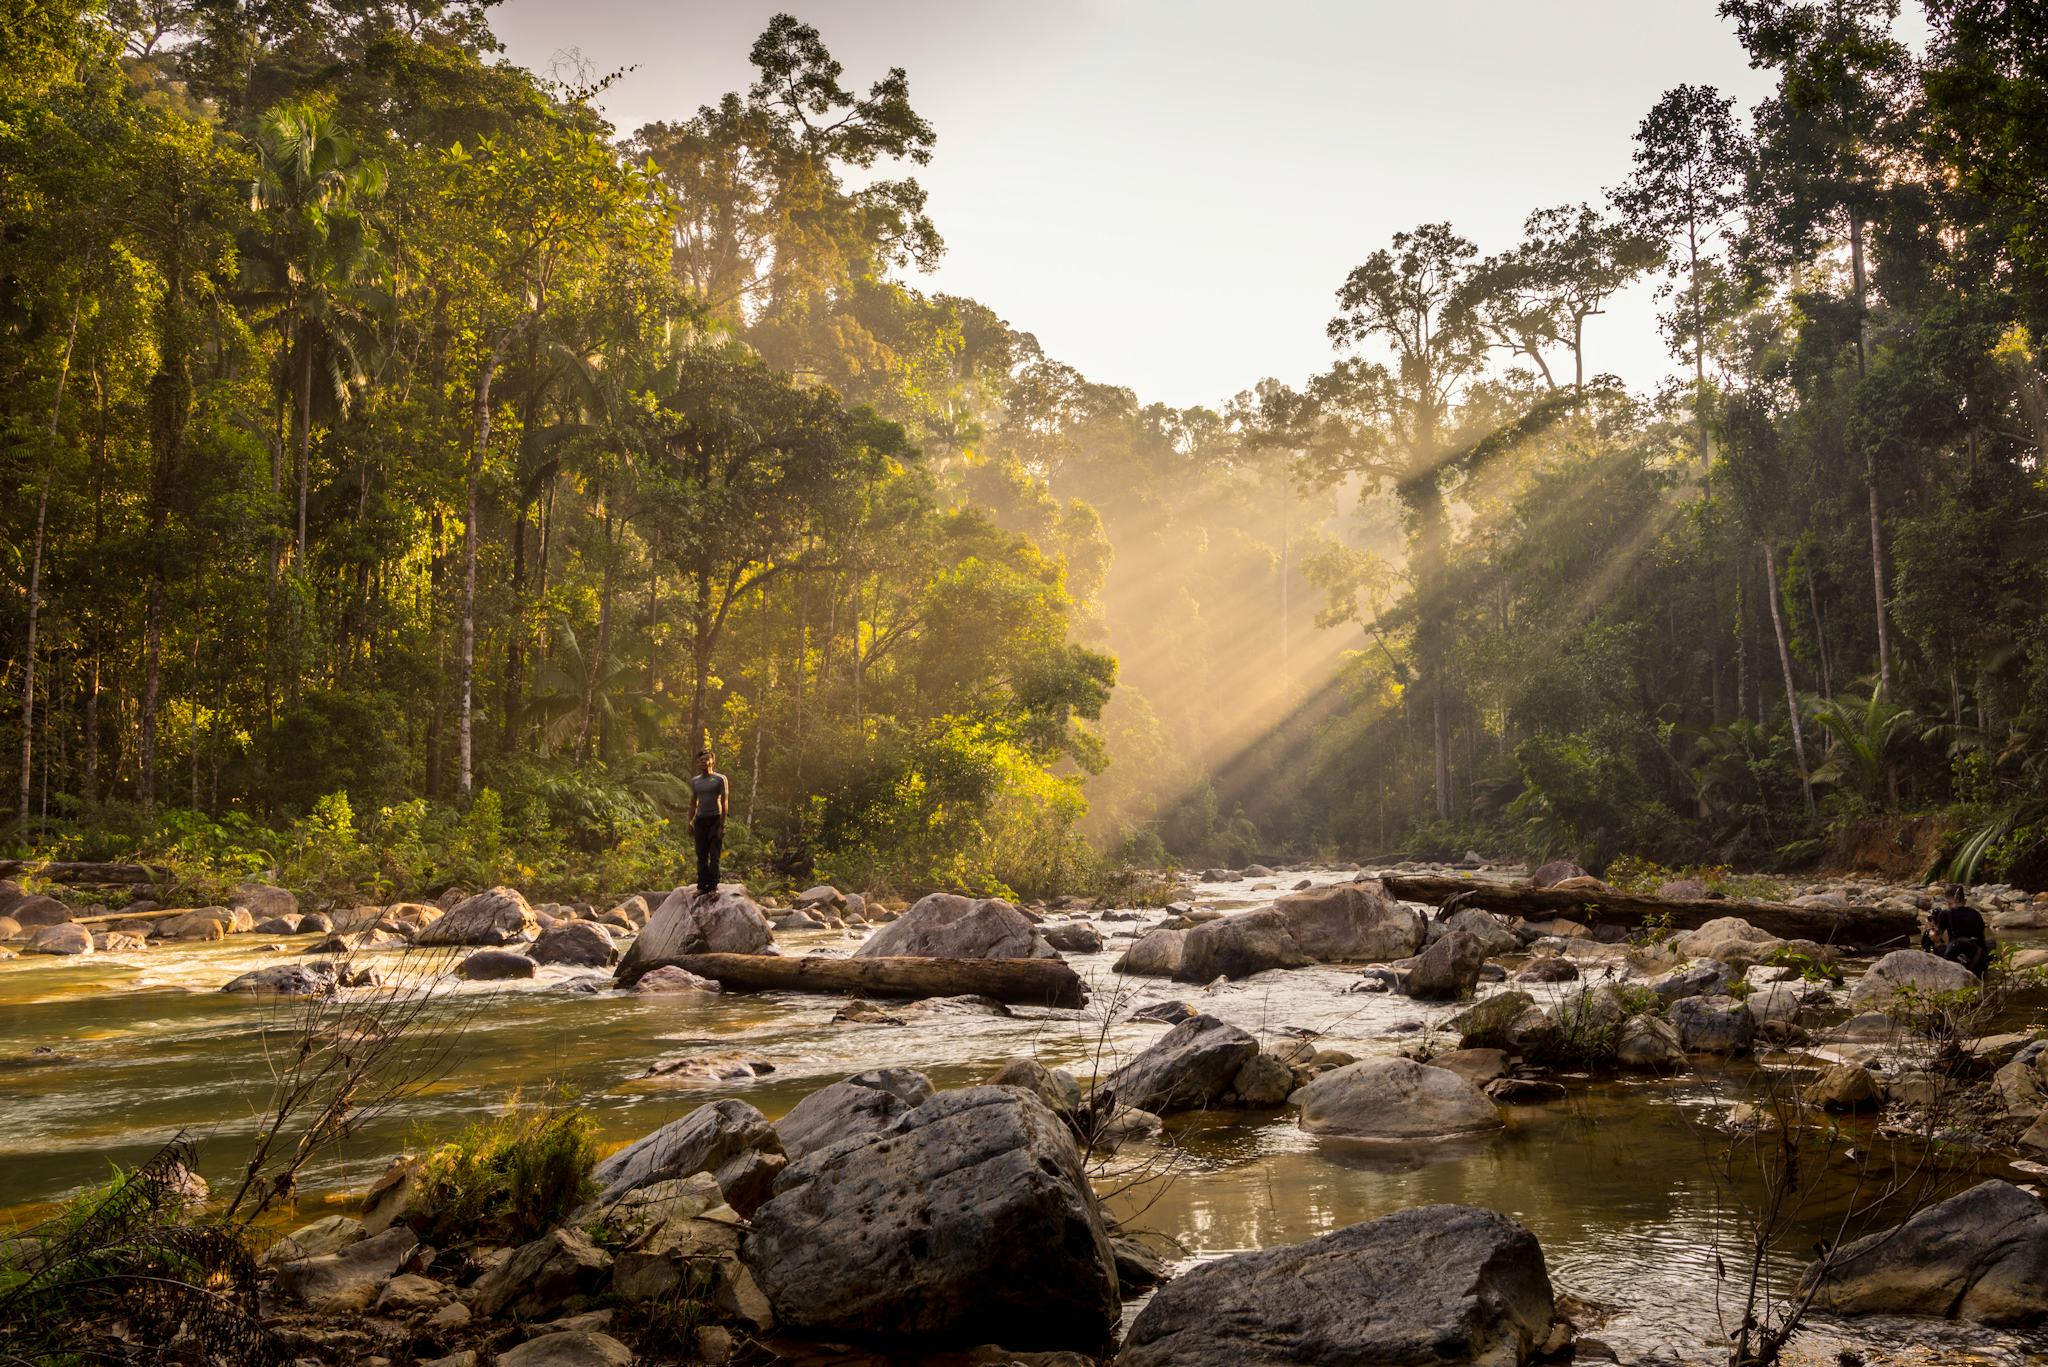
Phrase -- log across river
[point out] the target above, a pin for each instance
(1850, 927)
(1015, 982)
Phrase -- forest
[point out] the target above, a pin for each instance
(405, 472)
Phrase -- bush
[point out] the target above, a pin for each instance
(512, 1177)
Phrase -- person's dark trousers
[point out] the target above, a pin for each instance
(710, 833)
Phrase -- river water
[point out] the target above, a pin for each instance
(104, 1058)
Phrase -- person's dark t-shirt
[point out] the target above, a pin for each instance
(1963, 922)
(708, 788)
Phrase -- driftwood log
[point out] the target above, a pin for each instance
(1017, 982)
(1849, 927)
(84, 875)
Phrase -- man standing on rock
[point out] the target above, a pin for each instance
(708, 791)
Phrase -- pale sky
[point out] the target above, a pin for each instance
(1169, 192)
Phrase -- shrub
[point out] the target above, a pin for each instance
(512, 1177)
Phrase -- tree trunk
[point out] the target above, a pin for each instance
(1884, 638)
(465, 726)
(593, 665)
(303, 394)
(35, 572)
(1785, 667)
(1820, 634)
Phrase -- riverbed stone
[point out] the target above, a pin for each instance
(1694, 978)
(1188, 1068)
(1074, 937)
(1350, 923)
(495, 965)
(1476, 1066)
(66, 938)
(726, 922)
(1448, 969)
(968, 1219)
(1556, 871)
(1981, 1256)
(1843, 1087)
(347, 1280)
(946, 925)
(670, 980)
(1921, 974)
(203, 923)
(499, 916)
(552, 1272)
(1490, 930)
(583, 943)
(1264, 1081)
(1156, 954)
(1429, 1285)
(860, 1104)
(316, 978)
(576, 1348)
(1238, 946)
(1058, 1089)
(1395, 1099)
(823, 895)
(1712, 1025)
(330, 1234)
(38, 910)
(410, 1294)
(714, 1138)
(1729, 939)
(1547, 968)
(1649, 1044)
(263, 901)
(1509, 1021)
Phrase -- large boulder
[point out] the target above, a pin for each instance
(1431, 1285)
(860, 1104)
(726, 922)
(1239, 946)
(37, 910)
(1556, 871)
(66, 938)
(719, 1137)
(568, 1348)
(347, 1280)
(1712, 1025)
(1395, 1099)
(1156, 954)
(1448, 969)
(495, 966)
(1981, 1256)
(1509, 1021)
(1074, 937)
(204, 923)
(1490, 930)
(1915, 972)
(316, 978)
(1350, 923)
(497, 917)
(1729, 939)
(561, 1269)
(1649, 1044)
(263, 901)
(966, 1220)
(583, 943)
(946, 925)
(1189, 1067)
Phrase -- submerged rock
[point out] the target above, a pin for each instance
(495, 965)
(670, 979)
(318, 978)
(966, 1220)
(1981, 1256)
(1431, 1285)
(948, 926)
(1395, 1099)
(1190, 1067)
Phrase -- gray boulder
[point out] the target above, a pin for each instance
(727, 922)
(967, 1220)
(569, 1348)
(494, 965)
(823, 895)
(64, 937)
(1981, 1256)
(347, 1280)
(1490, 930)
(1058, 1089)
(1265, 1080)
(946, 925)
(1350, 923)
(37, 910)
(583, 943)
(1712, 1025)
(1448, 969)
(1157, 954)
(262, 901)
(1426, 1286)
(1239, 946)
(1074, 937)
(204, 923)
(1649, 1044)
(317, 978)
(1698, 978)
(559, 1268)
(497, 917)
(715, 1138)
(857, 1105)
(1913, 971)
(1555, 872)
(1188, 1068)
(670, 980)
(1509, 1021)
(1395, 1099)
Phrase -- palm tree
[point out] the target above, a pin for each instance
(316, 264)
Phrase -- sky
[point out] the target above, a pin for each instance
(1169, 192)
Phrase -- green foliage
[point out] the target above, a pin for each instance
(510, 1178)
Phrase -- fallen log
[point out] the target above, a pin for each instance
(74, 874)
(1849, 927)
(1017, 982)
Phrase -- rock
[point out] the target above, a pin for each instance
(494, 965)
(1510, 1021)
(1239, 946)
(1559, 927)
(583, 943)
(1157, 954)
(714, 1138)
(37, 910)
(1697, 978)
(1547, 968)
(1923, 975)
(279, 925)
(316, 923)
(1263, 1081)
(1712, 1025)
(1729, 939)
(1777, 1003)
(824, 895)
(1524, 1091)
(206, 923)
(861, 1104)
(497, 917)
(1448, 969)
(410, 1294)
(1476, 1066)
(348, 1280)
(948, 926)
(1060, 1091)
(1190, 1067)
(670, 979)
(63, 938)
(1648, 1044)
(727, 922)
(1138, 1268)
(1584, 882)
(328, 1235)
(970, 1219)
(1168, 1013)
(1843, 1087)
(10, 929)
(1126, 1124)
(1682, 890)
(708, 1070)
(1395, 1099)
(1350, 923)
(1430, 1285)
(262, 901)
(577, 1349)
(1981, 1256)
(540, 1278)
(1489, 930)
(1555, 872)
(796, 920)
(318, 978)
(1074, 937)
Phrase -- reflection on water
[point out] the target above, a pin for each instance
(1615, 1182)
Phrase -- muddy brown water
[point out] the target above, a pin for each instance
(1617, 1181)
